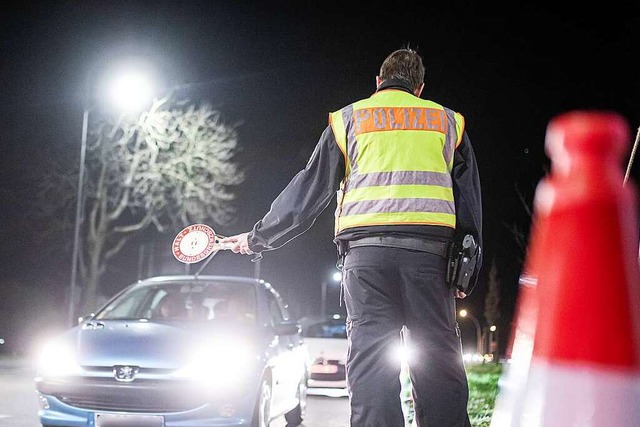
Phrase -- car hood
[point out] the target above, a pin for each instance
(150, 344)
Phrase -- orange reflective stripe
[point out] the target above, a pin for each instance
(399, 118)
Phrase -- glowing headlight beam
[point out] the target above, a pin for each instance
(57, 359)
(218, 364)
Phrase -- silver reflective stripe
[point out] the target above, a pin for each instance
(398, 205)
(352, 150)
(452, 136)
(347, 117)
(401, 178)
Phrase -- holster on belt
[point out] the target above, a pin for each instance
(342, 247)
(463, 263)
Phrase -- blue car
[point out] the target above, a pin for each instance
(178, 351)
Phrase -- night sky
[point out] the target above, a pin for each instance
(280, 68)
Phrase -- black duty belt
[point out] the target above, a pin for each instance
(412, 243)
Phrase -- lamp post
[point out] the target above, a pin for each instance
(128, 92)
(79, 206)
(336, 277)
(493, 340)
(465, 313)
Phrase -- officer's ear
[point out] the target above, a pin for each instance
(418, 91)
(378, 81)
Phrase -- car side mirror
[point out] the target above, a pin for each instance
(86, 317)
(287, 327)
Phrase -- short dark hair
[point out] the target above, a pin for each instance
(404, 64)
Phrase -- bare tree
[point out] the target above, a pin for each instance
(171, 166)
(492, 299)
(519, 233)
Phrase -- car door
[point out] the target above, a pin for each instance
(288, 366)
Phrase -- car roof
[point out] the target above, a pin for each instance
(203, 278)
(194, 278)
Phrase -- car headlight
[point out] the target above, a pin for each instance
(57, 359)
(219, 364)
(404, 353)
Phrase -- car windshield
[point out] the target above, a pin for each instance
(328, 329)
(184, 301)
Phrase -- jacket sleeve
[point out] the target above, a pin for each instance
(305, 197)
(468, 198)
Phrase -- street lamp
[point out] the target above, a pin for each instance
(129, 92)
(465, 313)
(336, 277)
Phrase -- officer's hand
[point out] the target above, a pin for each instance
(460, 294)
(240, 243)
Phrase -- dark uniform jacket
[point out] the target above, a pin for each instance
(313, 188)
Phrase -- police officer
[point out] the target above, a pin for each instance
(407, 185)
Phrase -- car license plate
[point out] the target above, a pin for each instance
(324, 369)
(128, 420)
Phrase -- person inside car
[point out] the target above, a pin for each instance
(233, 308)
(172, 306)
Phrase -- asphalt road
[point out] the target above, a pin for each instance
(18, 399)
(19, 403)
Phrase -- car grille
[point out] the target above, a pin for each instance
(137, 396)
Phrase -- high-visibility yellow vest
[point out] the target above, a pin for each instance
(398, 151)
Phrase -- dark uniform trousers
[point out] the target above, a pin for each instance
(384, 288)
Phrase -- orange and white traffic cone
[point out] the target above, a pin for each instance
(582, 368)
